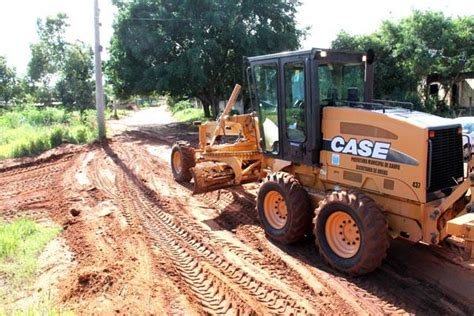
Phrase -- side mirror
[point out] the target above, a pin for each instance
(370, 56)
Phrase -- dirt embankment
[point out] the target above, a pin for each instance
(144, 244)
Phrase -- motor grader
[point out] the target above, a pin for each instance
(331, 159)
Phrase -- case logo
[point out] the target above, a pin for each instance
(364, 148)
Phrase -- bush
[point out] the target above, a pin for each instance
(45, 117)
(11, 119)
(32, 147)
(189, 115)
(181, 105)
(81, 136)
(56, 137)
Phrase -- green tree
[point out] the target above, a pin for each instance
(59, 69)
(47, 55)
(8, 81)
(408, 51)
(195, 48)
(75, 87)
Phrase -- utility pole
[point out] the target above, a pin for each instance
(99, 87)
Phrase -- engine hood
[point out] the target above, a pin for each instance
(419, 119)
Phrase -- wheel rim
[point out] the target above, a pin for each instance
(342, 234)
(276, 212)
(177, 165)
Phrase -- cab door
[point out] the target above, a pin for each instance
(296, 108)
(267, 90)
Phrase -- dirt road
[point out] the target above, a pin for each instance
(144, 244)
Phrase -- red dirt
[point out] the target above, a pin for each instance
(144, 244)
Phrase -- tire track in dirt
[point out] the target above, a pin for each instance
(254, 291)
(26, 192)
(313, 291)
(244, 214)
(116, 271)
(21, 181)
(407, 293)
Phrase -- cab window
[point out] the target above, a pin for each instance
(295, 102)
(340, 84)
(266, 82)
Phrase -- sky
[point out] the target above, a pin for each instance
(326, 19)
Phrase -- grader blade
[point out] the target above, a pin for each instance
(209, 176)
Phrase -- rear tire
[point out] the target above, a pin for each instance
(182, 160)
(284, 208)
(351, 232)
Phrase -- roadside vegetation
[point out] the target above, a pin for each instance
(31, 131)
(423, 45)
(184, 111)
(21, 243)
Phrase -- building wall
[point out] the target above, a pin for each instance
(466, 93)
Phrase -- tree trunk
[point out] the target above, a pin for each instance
(206, 107)
(215, 107)
(206, 104)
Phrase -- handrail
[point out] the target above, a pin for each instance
(378, 104)
(397, 102)
(372, 105)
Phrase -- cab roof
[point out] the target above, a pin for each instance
(308, 52)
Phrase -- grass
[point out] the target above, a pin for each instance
(31, 131)
(183, 111)
(189, 115)
(21, 243)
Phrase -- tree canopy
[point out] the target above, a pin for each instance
(59, 69)
(410, 50)
(195, 48)
(47, 54)
(8, 81)
(75, 87)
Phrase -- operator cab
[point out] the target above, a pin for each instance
(289, 90)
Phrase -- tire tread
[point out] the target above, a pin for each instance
(376, 232)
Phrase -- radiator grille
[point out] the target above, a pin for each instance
(446, 159)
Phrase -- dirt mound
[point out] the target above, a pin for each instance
(92, 283)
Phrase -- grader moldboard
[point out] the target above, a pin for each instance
(357, 171)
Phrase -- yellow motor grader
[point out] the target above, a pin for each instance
(331, 159)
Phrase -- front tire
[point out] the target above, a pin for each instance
(284, 208)
(351, 232)
(182, 160)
